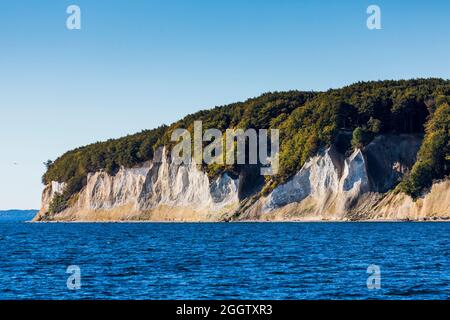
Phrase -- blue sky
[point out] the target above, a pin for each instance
(137, 64)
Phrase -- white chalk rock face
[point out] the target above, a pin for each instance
(157, 184)
(224, 191)
(354, 180)
(329, 186)
(316, 178)
(324, 180)
(185, 185)
(105, 192)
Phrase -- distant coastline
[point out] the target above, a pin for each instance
(17, 215)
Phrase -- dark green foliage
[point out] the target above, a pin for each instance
(307, 121)
(373, 107)
(374, 125)
(433, 159)
(57, 204)
(359, 137)
(129, 151)
(363, 136)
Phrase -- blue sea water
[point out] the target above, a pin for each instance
(224, 261)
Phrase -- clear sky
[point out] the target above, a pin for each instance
(137, 64)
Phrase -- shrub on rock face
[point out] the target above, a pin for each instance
(433, 159)
(361, 137)
(57, 204)
(358, 138)
(374, 125)
(421, 177)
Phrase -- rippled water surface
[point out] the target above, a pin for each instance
(225, 261)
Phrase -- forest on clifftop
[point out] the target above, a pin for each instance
(307, 122)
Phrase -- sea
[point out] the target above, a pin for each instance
(307, 261)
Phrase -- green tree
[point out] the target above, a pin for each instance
(433, 159)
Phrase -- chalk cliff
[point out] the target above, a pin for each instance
(329, 186)
(158, 190)
(359, 187)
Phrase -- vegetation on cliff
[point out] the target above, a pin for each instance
(433, 158)
(307, 121)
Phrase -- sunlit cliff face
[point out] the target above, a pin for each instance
(330, 186)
